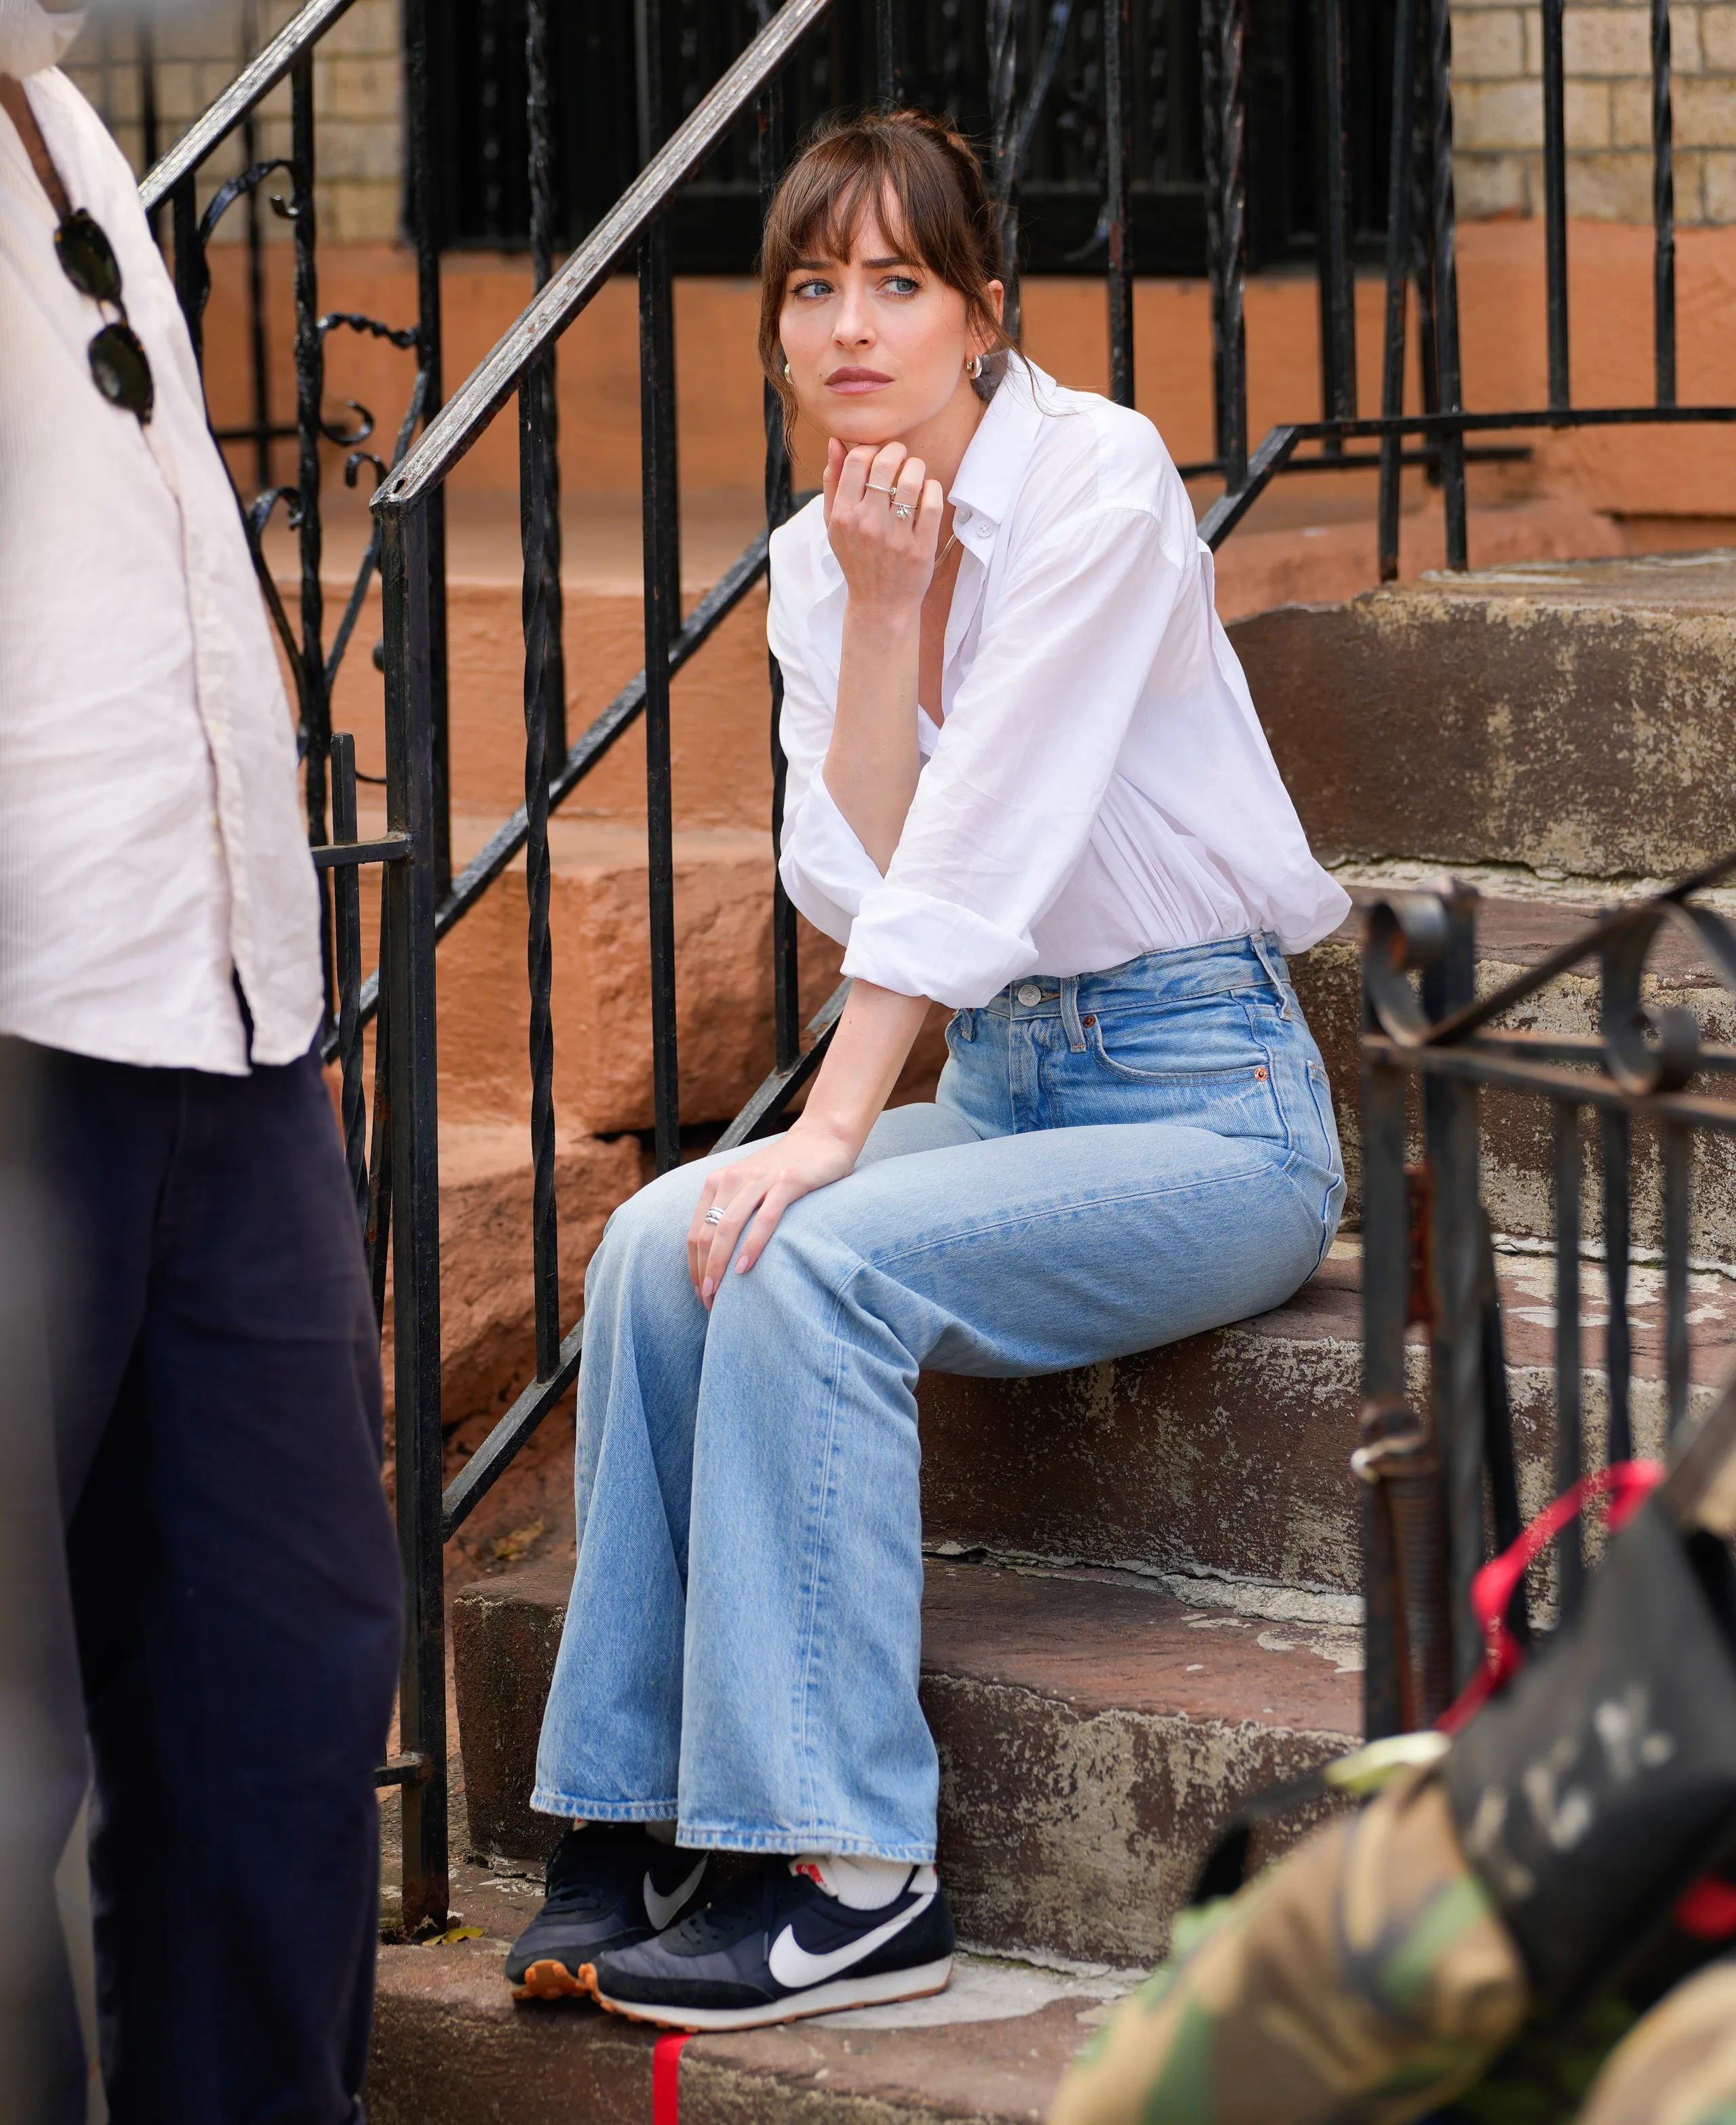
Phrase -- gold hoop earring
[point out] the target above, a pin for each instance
(973, 367)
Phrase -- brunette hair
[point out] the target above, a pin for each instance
(950, 223)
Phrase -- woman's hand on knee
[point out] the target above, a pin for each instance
(751, 1196)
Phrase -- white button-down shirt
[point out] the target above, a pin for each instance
(1100, 785)
(151, 842)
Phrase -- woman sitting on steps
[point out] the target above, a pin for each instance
(1025, 780)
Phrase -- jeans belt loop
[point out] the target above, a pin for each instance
(1070, 1014)
(1265, 950)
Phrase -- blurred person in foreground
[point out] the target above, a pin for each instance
(214, 1373)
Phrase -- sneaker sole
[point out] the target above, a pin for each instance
(880, 1990)
(549, 1980)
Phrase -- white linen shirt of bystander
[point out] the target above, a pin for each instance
(150, 834)
(1099, 785)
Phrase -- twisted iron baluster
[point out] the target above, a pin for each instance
(1336, 273)
(1001, 38)
(786, 967)
(1663, 209)
(1223, 37)
(1446, 278)
(1555, 202)
(1569, 1548)
(347, 888)
(309, 389)
(261, 381)
(1118, 193)
(540, 532)
(1398, 276)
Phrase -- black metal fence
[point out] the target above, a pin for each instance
(394, 1163)
(1442, 1476)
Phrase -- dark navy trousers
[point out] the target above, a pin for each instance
(233, 1580)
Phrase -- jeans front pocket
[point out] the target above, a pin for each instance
(1200, 1063)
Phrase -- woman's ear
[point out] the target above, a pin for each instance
(996, 295)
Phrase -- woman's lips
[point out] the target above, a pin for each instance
(856, 379)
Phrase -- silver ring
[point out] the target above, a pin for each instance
(874, 488)
(904, 511)
(714, 1216)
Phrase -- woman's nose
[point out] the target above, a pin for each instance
(853, 327)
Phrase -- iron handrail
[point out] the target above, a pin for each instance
(249, 89)
(494, 378)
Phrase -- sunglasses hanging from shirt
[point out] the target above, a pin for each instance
(119, 367)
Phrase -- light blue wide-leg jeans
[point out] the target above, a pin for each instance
(1113, 1161)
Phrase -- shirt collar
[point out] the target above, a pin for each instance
(31, 39)
(994, 467)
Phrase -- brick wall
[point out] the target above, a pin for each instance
(357, 89)
(1497, 109)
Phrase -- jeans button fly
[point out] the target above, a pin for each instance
(1029, 993)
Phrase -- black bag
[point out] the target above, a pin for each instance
(1601, 1781)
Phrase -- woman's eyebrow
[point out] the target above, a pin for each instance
(880, 265)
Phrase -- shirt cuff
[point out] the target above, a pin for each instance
(921, 946)
(826, 870)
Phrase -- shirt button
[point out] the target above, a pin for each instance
(1029, 993)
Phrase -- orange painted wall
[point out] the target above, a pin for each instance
(1687, 472)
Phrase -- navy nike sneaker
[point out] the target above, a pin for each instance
(609, 1884)
(776, 1946)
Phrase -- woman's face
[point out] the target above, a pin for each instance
(877, 343)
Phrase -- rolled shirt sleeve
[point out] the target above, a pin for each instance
(1006, 805)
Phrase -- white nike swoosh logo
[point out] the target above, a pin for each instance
(792, 1965)
(661, 1910)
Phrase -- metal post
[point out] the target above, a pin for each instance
(889, 52)
(539, 110)
(150, 145)
(409, 905)
(423, 199)
(310, 364)
(1676, 1146)
(786, 969)
(1336, 268)
(1118, 185)
(1447, 277)
(1399, 240)
(256, 275)
(1222, 39)
(1570, 1547)
(1617, 1245)
(1450, 1124)
(1663, 209)
(1385, 1294)
(1001, 35)
(192, 272)
(1555, 204)
(346, 895)
(659, 503)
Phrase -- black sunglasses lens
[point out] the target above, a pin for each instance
(86, 258)
(123, 370)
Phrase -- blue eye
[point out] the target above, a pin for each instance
(899, 284)
(812, 288)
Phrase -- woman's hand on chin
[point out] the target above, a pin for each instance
(760, 1186)
(886, 558)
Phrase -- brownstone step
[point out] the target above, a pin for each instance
(1227, 1455)
(1513, 936)
(1572, 714)
(1094, 1733)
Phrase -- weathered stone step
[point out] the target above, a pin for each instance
(1573, 713)
(450, 2046)
(1514, 935)
(1228, 1454)
(1094, 1734)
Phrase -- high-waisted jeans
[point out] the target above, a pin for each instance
(1112, 1160)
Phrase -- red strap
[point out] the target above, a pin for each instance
(665, 2066)
(1708, 1910)
(1627, 1484)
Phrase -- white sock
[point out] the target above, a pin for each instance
(861, 1884)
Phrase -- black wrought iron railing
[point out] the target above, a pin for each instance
(1441, 1467)
(395, 1164)
(385, 1163)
